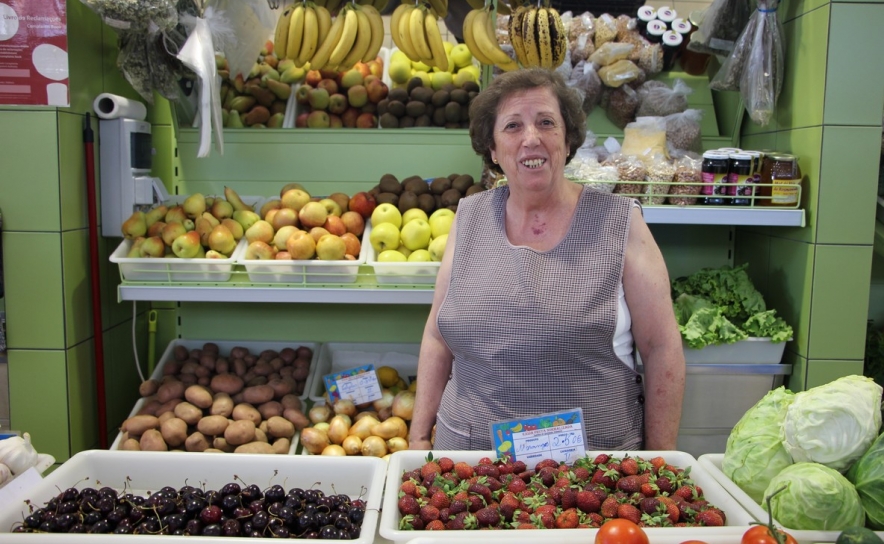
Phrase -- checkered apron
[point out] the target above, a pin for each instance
(532, 332)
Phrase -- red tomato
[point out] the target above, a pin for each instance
(620, 531)
(693, 542)
(760, 534)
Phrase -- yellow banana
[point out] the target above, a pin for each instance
(405, 34)
(323, 52)
(311, 36)
(324, 20)
(362, 42)
(418, 35)
(544, 45)
(440, 7)
(484, 34)
(395, 19)
(529, 38)
(296, 33)
(345, 44)
(469, 37)
(434, 40)
(281, 36)
(377, 32)
(558, 35)
(515, 32)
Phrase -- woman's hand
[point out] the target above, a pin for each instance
(419, 445)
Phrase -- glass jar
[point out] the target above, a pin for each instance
(655, 31)
(739, 180)
(672, 41)
(645, 15)
(781, 178)
(714, 174)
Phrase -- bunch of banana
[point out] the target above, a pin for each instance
(415, 31)
(481, 38)
(538, 36)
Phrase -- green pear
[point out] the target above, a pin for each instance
(187, 246)
(175, 215)
(236, 201)
(246, 218)
(156, 229)
(188, 225)
(194, 205)
(153, 247)
(221, 240)
(171, 231)
(221, 209)
(234, 120)
(135, 226)
(234, 227)
(155, 214)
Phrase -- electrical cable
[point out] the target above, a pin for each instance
(134, 344)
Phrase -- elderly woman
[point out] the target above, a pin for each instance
(544, 288)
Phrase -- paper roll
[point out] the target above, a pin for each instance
(111, 106)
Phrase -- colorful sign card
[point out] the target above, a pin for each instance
(555, 435)
(359, 384)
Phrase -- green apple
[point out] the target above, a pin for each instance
(415, 234)
(437, 247)
(391, 256)
(386, 213)
(440, 213)
(384, 236)
(440, 225)
(420, 256)
(419, 66)
(414, 213)
(461, 55)
(440, 79)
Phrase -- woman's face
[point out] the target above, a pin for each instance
(529, 138)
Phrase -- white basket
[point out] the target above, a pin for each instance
(143, 472)
(711, 463)
(399, 273)
(174, 270)
(224, 348)
(751, 350)
(337, 356)
(303, 271)
(738, 519)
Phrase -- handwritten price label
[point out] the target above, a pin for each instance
(358, 384)
(558, 436)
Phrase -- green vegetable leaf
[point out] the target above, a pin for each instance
(726, 287)
(708, 326)
(767, 324)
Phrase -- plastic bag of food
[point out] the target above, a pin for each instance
(585, 167)
(722, 24)
(622, 103)
(661, 100)
(645, 138)
(580, 25)
(683, 130)
(605, 29)
(687, 172)
(629, 169)
(586, 81)
(650, 59)
(611, 52)
(660, 174)
(622, 71)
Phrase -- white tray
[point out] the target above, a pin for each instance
(738, 519)
(337, 356)
(711, 463)
(750, 350)
(173, 270)
(224, 348)
(149, 471)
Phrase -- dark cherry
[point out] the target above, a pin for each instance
(251, 492)
(117, 515)
(70, 494)
(231, 527)
(276, 493)
(260, 519)
(210, 515)
(329, 532)
(150, 525)
(123, 528)
(213, 497)
(241, 512)
(64, 521)
(90, 518)
(280, 532)
(194, 505)
(257, 505)
(230, 502)
(193, 528)
(311, 534)
(212, 530)
(136, 515)
(232, 488)
(78, 528)
(34, 520)
(274, 509)
(175, 521)
(321, 518)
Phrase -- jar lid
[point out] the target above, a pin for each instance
(672, 38)
(646, 13)
(681, 26)
(719, 155)
(781, 157)
(666, 14)
(740, 156)
(729, 150)
(656, 28)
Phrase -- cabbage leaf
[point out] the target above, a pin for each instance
(815, 498)
(867, 475)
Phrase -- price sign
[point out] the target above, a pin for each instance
(359, 384)
(556, 435)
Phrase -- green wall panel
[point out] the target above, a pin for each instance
(38, 398)
(687, 249)
(753, 249)
(853, 87)
(120, 375)
(790, 9)
(821, 371)
(82, 400)
(163, 140)
(806, 143)
(849, 185)
(795, 381)
(84, 55)
(29, 194)
(804, 85)
(839, 303)
(72, 172)
(789, 287)
(77, 286)
(34, 295)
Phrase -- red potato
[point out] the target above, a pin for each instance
(168, 406)
(170, 390)
(270, 409)
(150, 407)
(199, 396)
(240, 367)
(188, 379)
(262, 368)
(148, 387)
(258, 394)
(152, 440)
(227, 383)
(238, 352)
(281, 387)
(188, 412)
(290, 401)
(138, 425)
(189, 367)
(287, 355)
(180, 353)
(222, 366)
(222, 405)
(245, 411)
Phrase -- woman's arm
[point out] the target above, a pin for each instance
(434, 364)
(647, 288)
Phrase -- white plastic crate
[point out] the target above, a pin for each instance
(174, 270)
(711, 463)
(143, 472)
(738, 519)
(408, 273)
(224, 348)
(337, 356)
(751, 350)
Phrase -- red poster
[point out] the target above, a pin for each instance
(33, 53)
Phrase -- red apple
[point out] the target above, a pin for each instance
(302, 95)
(367, 120)
(334, 121)
(377, 90)
(349, 117)
(353, 221)
(301, 120)
(329, 85)
(363, 68)
(351, 241)
(313, 78)
(334, 225)
(362, 203)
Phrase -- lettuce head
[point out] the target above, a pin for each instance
(867, 475)
(815, 498)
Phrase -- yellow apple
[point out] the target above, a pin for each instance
(420, 256)
(330, 248)
(415, 234)
(440, 225)
(461, 55)
(440, 79)
(386, 213)
(437, 247)
(400, 71)
(419, 66)
(384, 236)
(391, 256)
(414, 213)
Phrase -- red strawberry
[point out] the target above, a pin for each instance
(644, 477)
(481, 490)
(720, 514)
(519, 467)
(581, 474)
(546, 463)
(547, 476)
(458, 506)
(486, 461)
(602, 458)
(517, 486)
(476, 503)
(648, 490)
(411, 523)
(508, 506)
(464, 471)
(671, 508)
(411, 475)
(430, 470)
(554, 494)
(436, 525)
(629, 466)
(604, 477)
(525, 525)
(446, 464)
(599, 491)
(493, 484)
(461, 522)
(544, 519)
(657, 463)
(701, 504)
(629, 484)
(649, 505)
(487, 470)
(488, 517)
(429, 513)
(568, 498)
(567, 519)
(440, 500)
(408, 505)
(664, 484)
(630, 512)
(596, 519)
(710, 518)
(563, 481)
(523, 517)
(609, 507)
(686, 510)
(587, 502)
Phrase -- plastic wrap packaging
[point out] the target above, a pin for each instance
(610, 53)
(683, 130)
(563, 69)
(661, 172)
(639, 43)
(687, 170)
(621, 106)
(198, 54)
(650, 59)
(662, 100)
(722, 24)
(605, 30)
(618, 73)
(586, 81)
(239, 28)
(629, 168)
(645, 138)
(580, 38)
(585, 167)
(755, 66)
(582, 24)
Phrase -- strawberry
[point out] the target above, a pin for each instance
(563, 482)
(411, 523)
(664, 484)
(546, 520)
(554, 494)
(458, 506)
(436, 525)
(568, 498)
(408, 505)
(524, 525)
(516, 486)
(601, 459)
(523, 517)
(445, 464)
(519, 467)
(596, 519)
(629, 484)
(481, 490)
(686, 511)
(671, 508)
(547, 475)
(599, 491)
(604, 477)
(508, 506)
(644, 477)
(488, 517)
(429, 513)
(546, 463)
(463, 470)
(440, 500)
(710, 518)
(609, 507)
(700, 504)
(657, 463)
(587, 502)
(410, 488)
(630, 512)
(720, 514)
(493, 484)
(476, 503)
(490, 471)
(581, 474)
(486, 461)
(649, 505)
(567, 519)
(629, 466)
(461, 522)
(648, 490)
(411, 475)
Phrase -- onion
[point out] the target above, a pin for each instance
(374, 446)
(345, 406)
(366, 413)
(335, 450)
(362, 427)
(338, 428)
(385, 401)
(314, 440)
(403, 404)
(352, 445)
(319, 413)
(322, 426)
(397, 444)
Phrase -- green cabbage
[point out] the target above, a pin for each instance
(755, 453)
(867, 475)
(815, 498)
(835, 423)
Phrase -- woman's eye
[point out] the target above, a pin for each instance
(510, 126)
(548, 123)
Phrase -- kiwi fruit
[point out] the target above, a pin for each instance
(439, 117)
(426, 202)
(396, 107)
(452, 125)
(369, 107)
(451, 197)
(414, 83)
(374, 191)
(440, 185)
(473, 189)
(471, 86)
(453, 207)
(452, 112)
(460, 96)
(415, 185)
(440, 98)
(423, 94)
(438, 199)
(462, 183)
(387, 198)
(406, 122)
(449, 87)
(388, 120)
(389, 184)
(423, 121)
(431, 109)
(398, 94)
(453, 176)
(407, 201)
(415, 108)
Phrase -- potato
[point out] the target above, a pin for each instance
(258, 394)
(256, 381)
(245, 411)
(137, 425)
(221, 444)
(149, 408)
(239, 367)
(188, 379)
(297, 417)
(166, 416)
(152, 440)
(240, 432)
(199, 396)
(170, 390)
(282, 446)
(222, 366)
(148, 388)
(269, 354)
(281, 387)
(213, 450)
(270, 409)
(277, 364)
(287, 355)
(290, 401)
(227, 383)
(238, 352)
(302, 369)
(213, 425)
(255, 447)
(222, 405)
(172, 367)
(174, 431)
(208, 360)
(189, 367)
(262, 368)
(260, 436)
(130, 444)
(188, 412)
(168, 406)
(280, 427)
(197, 441)
(202, 372)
